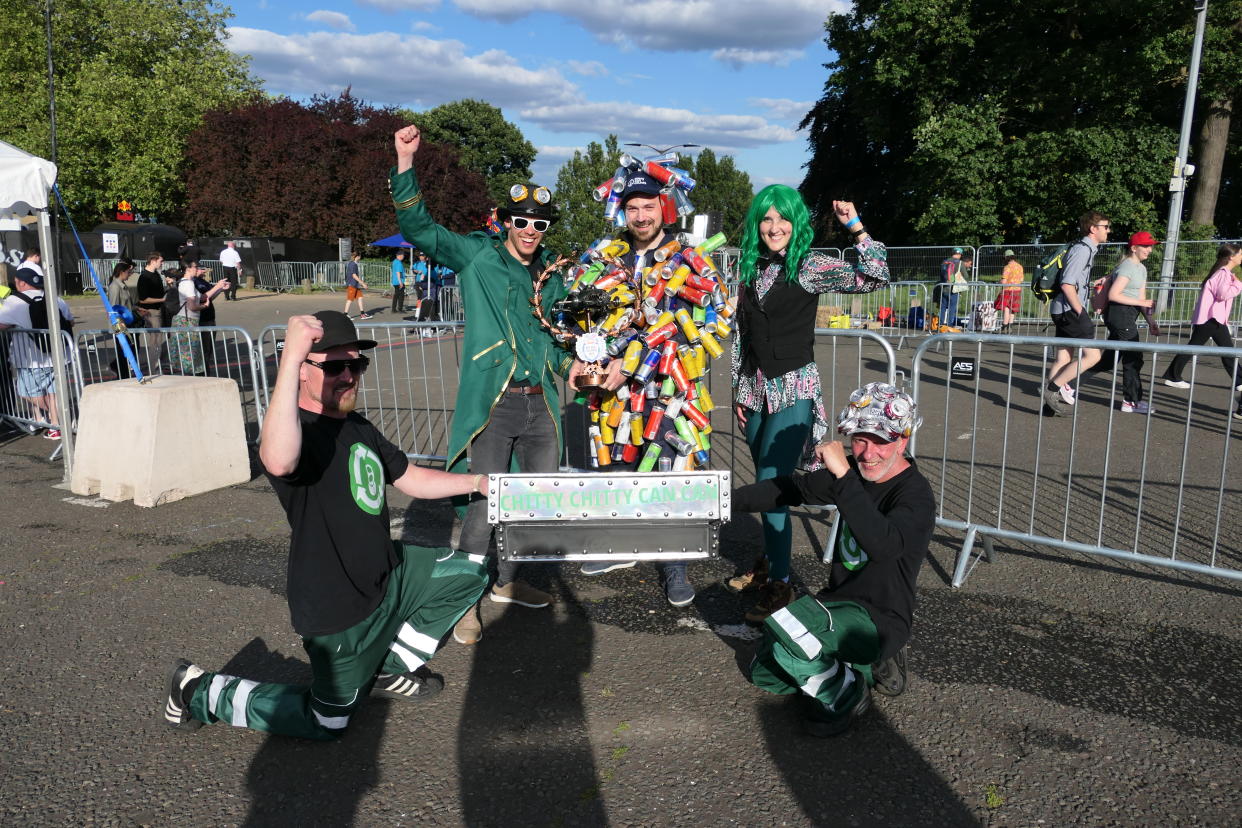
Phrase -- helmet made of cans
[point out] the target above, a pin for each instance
(880, 409)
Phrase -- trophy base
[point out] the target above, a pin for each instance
(590, 380)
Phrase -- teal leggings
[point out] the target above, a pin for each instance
(776, 442)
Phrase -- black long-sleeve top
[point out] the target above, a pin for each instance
(889, 523)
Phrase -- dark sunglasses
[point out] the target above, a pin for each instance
(335, 367)
(540, 225)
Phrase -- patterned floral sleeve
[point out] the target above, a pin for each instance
(820, 273)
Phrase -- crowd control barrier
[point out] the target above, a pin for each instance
(1152, 488)
(217, 351)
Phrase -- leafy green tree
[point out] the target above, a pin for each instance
(983, 121)
(720, 187)
(133, 79)
(581, 217)
(487, 143)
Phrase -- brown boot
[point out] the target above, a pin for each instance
(469, 629)
(755, 578)
(773, 595)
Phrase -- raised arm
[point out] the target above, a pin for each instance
(280, 443)
(417, 225)
(819, 273)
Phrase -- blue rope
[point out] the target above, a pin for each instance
(114, 317)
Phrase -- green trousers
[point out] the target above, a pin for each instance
(776, 444)
(822, 649)
(428, 592)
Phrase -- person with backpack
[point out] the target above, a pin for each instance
(120, 294)
(185, 306)
(946, 297)
(1126, 290)
(31, 353)
(1071, 313)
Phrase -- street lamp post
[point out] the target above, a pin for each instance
(1181, 169)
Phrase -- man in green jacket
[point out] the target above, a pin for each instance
(507, 402)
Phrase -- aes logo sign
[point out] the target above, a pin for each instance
(962, 368)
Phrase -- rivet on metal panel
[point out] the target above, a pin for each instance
(532, 514)
(506, 514)
(558, 514)
(614, 514)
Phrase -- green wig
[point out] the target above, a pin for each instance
(791, 207)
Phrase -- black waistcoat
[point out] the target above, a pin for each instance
(778, 333)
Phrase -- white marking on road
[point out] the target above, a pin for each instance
(964, 436)
(83, 501)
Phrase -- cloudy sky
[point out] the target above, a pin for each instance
(733, 75)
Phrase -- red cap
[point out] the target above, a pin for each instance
(1143, 239)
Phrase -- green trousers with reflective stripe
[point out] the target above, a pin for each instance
(428, 592)
(822, 649)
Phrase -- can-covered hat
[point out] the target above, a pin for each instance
(1010, 253)
(1143, 239)
(527, 200)
(339, 332)
(880, 409)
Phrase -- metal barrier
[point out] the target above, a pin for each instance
(451, 309)
(221, 352)
(1157, 485)
(409, 391)
(24, 347)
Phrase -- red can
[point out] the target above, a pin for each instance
(668, 209)
(657, 336)
(661, 174)
(668, 355)
(654, 419)
(694, 297)
(691, 413)
(629, 453)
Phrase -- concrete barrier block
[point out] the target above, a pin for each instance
(160, 441)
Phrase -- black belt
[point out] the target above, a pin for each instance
(525, 390)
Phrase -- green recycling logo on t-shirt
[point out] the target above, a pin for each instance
(852, 555)
(366, 478)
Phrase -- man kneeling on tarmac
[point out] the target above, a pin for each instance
(833, 646)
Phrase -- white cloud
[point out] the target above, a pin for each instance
(661, 126)
(587, 68)
(400, 5)
(423, 26)
(723, 26)
(737, 58)
(333, 20)
(387, 68)
(547, 153)
(783, 109)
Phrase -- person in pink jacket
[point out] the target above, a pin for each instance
(1211, 317)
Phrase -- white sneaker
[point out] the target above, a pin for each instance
(1067, 394)
(1139, 407)
(1178, 383)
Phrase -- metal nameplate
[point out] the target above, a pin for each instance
(683, 496)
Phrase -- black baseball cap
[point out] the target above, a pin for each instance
(640, 183)
(339, 332)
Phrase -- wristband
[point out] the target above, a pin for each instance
(849, 225)
(858, 232)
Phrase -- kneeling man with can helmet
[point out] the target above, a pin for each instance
(832, 647)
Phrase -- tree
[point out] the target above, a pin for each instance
(1219, 91)
(581, 217)
(276, 167)
(984, 121)
(488, 144)
(720, 187)
(133, 79)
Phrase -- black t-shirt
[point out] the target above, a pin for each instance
(340, 553)
(883, 538)
(150, 286)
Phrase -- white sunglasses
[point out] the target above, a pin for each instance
(540, 225)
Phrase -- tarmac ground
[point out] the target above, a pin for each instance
(1053, 689)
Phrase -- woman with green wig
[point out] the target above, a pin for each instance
(776, 389)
